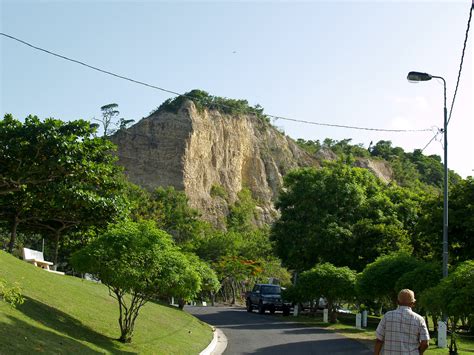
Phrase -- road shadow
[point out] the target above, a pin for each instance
(316, 347)
(64, 323)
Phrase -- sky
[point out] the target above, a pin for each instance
(339, 62)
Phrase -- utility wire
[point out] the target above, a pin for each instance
(462, 59)
(192, 98)
(431, 140)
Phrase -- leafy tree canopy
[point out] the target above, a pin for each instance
(337, 214)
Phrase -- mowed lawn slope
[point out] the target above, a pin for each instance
(67, 315)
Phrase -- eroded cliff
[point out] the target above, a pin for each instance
(201, 150)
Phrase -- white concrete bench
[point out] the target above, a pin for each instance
(36, 258)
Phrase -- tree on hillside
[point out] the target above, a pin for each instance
(138, 263)
(327, 215)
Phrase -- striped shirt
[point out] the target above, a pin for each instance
(401, 331)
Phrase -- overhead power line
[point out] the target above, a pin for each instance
(462, 60)
(192, 98)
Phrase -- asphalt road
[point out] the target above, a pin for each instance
(252, 333)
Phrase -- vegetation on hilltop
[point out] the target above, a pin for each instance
(204, 100)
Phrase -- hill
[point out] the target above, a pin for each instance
(67, 315)
(203, 144)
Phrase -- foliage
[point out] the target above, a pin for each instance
(453, 295)
(241, 214)
(137, 262)
(203, 101)
(412, 168)
(310, 146)
(71, 181)
(429, 229)
(338, 214)
(36, 152)
(174, 215)
(11, 294)
(218, 191)
(378, 279)
(419, 279)
(336, 284)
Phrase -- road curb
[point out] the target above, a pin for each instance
(217, 345)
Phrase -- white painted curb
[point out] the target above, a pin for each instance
(217, 345)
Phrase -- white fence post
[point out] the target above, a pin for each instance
(325, 315)
(358, 320)
(442, 337)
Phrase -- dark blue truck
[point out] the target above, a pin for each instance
(266, 296)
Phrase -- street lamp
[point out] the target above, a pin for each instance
(414, 76)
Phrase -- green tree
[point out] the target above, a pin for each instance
(328, 214)
(336, 284)
(378, 279)
(429, 229)
(453, 296)
(137, 262)
(36, 152)
(52, 170)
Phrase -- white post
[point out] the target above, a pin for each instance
(442, 335)
(295, 311)
(172, 300)
(204, 303)
(325, 315)
(358, 320)
(364, 319)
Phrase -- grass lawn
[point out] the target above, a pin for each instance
(346, 326)
(67, 315)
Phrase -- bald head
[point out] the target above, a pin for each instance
(406, 297)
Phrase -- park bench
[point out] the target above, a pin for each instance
(36, 258)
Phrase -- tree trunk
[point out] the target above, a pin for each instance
(15, 223)
(181, 303)
(57, 235)
(333, 311)
(231, 283)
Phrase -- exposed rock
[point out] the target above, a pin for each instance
(194, 151)
(380, 168)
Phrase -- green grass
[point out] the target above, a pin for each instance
(346, 327)
(65, 315)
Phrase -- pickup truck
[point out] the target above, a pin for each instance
(266, 296)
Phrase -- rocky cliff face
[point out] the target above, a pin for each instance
(200, 151)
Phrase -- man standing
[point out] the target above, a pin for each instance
(402, 331)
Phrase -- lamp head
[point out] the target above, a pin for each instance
(415, 76)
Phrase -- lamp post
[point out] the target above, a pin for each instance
(416, 77)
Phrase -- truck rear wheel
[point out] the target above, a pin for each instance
(261, 308)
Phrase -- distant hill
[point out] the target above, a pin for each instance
(67, 315)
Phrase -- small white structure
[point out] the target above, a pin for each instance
(36, 258)
(364, 319)
(325, 315)
(358, 321)
(442, 335)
